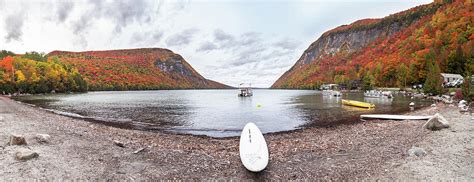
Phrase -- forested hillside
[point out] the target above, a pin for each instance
(135, 69)
(397, 50)
(35, 73)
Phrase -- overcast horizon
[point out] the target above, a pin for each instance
(226, 41)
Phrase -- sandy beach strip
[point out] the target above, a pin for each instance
(79, 149)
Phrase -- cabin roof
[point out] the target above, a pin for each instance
(450, 75)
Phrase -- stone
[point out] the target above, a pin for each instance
(118, 143)
(25, 154)
(17, 140)
(464, 109)
(416, 151)
(437, 122)
(462, 104)
(42, 138)
(448, 101)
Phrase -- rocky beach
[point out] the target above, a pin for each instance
(59, 147)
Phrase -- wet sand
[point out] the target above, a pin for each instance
(85, 150)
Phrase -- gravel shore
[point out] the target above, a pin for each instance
(373, 149)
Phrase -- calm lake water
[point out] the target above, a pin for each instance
(217, 113)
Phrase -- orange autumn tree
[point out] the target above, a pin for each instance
(444, 29)
(23, 75)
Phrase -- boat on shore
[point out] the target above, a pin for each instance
(331, 90)
(378, 94)
(357, 104)
(334, 93)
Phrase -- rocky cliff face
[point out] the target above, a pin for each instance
(136, 69)
(349, 39)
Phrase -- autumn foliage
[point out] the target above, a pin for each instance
(444, 36)
(135, 69)
(22, 75)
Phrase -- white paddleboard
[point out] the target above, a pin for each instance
(393, 117)
(253, 148)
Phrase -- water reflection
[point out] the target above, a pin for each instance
(216, 113)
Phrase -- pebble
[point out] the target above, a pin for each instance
(17, 140)
(43, 138)
(118, 143)
(25, 154)
(416, 151)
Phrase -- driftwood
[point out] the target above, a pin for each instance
(141, 149)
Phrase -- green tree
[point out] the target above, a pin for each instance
(402, 75)
(368, 81)
(377, 73)
(456, 62)
(466, 87)
(412, 73)
(5, 53)
(35, 56)
(433, 82)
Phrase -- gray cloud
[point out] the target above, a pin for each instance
(251, 56)
(146, 38)
(81, 41)
(121, 12)
(80, 25)
(124, 12)
(206, 47)
(248, 56)
(287, 44)
(249, 38)
(221, 36)
(225, 41)
(182, 38)
(14, 27)
(63, 9)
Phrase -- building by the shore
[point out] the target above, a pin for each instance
(448, 77)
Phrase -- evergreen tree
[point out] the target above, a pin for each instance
(369, 81)
(433, 82)
(466, 87)
(35, 56)
(402, 75)
(5, 53)
(456, 62)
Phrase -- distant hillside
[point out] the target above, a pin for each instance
(135, 69)
(392, 51)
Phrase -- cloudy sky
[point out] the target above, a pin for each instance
(230, 41)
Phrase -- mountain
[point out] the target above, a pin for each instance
(135, 69)
(391, 51)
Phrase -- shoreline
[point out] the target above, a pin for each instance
(135, 125)
(84, 150)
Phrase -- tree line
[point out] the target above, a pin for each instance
(35, 73)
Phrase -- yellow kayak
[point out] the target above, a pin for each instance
(357, 103)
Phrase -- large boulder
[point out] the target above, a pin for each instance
(17, 140)
(437, 122)
(25, 154)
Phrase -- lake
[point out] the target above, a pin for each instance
(216, 113)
